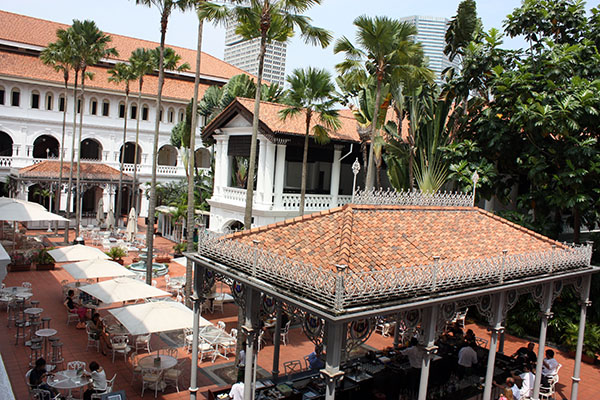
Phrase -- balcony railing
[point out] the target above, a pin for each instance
(5, 162)
(312, 202)
(234, 195)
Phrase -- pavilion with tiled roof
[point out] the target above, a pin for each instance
(407, 257)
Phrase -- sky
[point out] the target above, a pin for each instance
(126, 18)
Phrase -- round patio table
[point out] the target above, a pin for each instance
(33, 311)
(166, 362)
(67, 380)
(45, 334)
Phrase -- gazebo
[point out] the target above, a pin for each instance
(406, 256)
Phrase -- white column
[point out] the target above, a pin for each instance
(279, 174)
(430, 320)
(269, 171)
(106, 199)
(499, 300)
(545, 315)
(260, 172)
(218, 166)
(334, 187)
(224, 162)
(584, 303)
(333, 357)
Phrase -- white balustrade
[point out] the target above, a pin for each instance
(234, 195)
(167, 170)
(312, 202)
(129, 168)
(5, 162)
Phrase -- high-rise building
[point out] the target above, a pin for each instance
(244, 55)
(432, 35)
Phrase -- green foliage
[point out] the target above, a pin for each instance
(591, 340)
(42, 257)
(239, 173)
(462, 29)
(116, 253)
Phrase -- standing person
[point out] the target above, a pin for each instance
(415, 358)
(98, 384)
(75, 308)
(467, 357)
(237, 391)
(549, 367)
(241, 364)
(37, 375)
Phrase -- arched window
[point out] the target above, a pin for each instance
(133, 111)
(170, 116)
(145, 112)
(2, 92)
(15, 98)
(94, 107)
(121, 110)
(49, 101)
(61, 103)
(105, 108)
(35, 99)
(181, 115)
(161, 114)
(78, 106)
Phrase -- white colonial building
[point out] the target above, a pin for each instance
(32, 102)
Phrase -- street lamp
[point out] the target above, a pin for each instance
(355, 171)
(474, 179)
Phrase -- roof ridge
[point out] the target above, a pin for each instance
(345, 242)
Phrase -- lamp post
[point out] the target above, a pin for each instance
(474, 179)
(355, 171)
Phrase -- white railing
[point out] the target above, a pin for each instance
(166, 170)
(5, 162)
(312, 202)
(129, 168)
(234, 195)
(413, 198)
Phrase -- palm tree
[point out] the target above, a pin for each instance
(269, 20)
(58, 56)
(123, 73)
(91, 45)
(165, 7)
(312, 94)
(142, 63)
(386, 50)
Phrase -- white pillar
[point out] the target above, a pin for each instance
(269, 171)
(584, 304)
(260, 172)
(224, 161)
(335, 175)
(332, 373)
(218, 166)
(251, 329)
(499, 300)
(279, 174)
(106, 199)
(430, 321)
(545, 315)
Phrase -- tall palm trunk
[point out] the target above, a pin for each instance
(70, 184)
(134, 191)
(371, 167)
(255, 119)
(304, 164)
(78, 192)
(62, 151)
(119, 195)
(411, 142)
(152, 201)
(191, 160)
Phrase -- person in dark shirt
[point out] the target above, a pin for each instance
(76, 309)
(526, 354)
(37, 375)
(315, 359)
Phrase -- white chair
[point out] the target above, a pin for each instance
(221, 325)
(136, 370)
(217, 303)
(92, 340)
(76, 365)
(261, 340)
(206, 349)
(41, 394)
(120, 344)
(172, 375)
(285, 333)
(28, 286)
(151, 378)
(109, 388)
(188, 336)
(143, 342)
(460, 317)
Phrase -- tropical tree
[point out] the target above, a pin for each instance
(386, 50)
(58, 55)
(462, 29)
(142, 64)
(165, 7)
(267, 20)
(123, 73)
(90, 46)
(311, 93)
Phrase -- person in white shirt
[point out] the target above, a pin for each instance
(467, 357)
(414, 354)
(99, 383)
(241, 363)
(527, 382)
(549, 367)
(237, 391)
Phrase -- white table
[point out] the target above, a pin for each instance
(67, 380)
(33, 310)
(218, 338)
(166, 362)
(45, 334)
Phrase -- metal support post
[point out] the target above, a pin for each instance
(332, 373)
(545, 315)
(197, 300)
(276, 340)
(585, 303)
(397, 332)
(250, 329)
(430, 321)
(499, 300)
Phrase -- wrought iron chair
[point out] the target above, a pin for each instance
(291, 367)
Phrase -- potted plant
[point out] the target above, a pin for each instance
(591, 341)
(19, 261)
(179, 248)
(43, 261)
(116, 254)
(163, 259)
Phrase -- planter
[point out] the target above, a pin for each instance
(44, 267)
(165, 260)
(19, 267)
(120, 261)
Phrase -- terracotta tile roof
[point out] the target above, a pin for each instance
(89, 171)
(39, 32)
(370, 237)
(269, 115)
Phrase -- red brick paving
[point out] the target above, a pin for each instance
(47, 290)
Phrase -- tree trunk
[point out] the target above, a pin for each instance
(78, 192)
(370, 168)
(120, 187)
(191, 160)
(70, 184)
(152, 201)
(576, 224)
(304, 164)
(411, 143)
(255, 119)
(134, 191)
(62, 152)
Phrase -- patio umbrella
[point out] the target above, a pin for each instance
(131, 229)
(156, 316)
(110, 219)
(122, 289)
(24, 211)
(96, 269)
(100, 212)
(77, 252)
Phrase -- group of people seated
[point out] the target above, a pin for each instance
(39, 374)
(76, 308)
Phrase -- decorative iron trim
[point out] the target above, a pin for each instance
(413, 198)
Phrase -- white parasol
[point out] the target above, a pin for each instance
(96, 269)
(122, 289)
(131, 229)
(77, 252)
(100, 212)
(110, 219)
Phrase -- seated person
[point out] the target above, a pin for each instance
(512, 386)
(75, 308)
(457, 331)
(527, 381)
(315, 359)
(37, 375)
(97, 329)
(98, 384)
(467, 357)
(526, 354)
(506, 394)
(549, 367)
(414, 354)
(470, 336)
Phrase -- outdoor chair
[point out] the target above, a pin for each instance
(151, 378)
(285, 333)
(188, 336)
(120, 344)
(76, 365)
(217, 303)
(136, 370)
(172, 375)
(261, 340)
(306, 362)
(291, 367)
(481, 342)
(41, 394)
(460, 317)
(109, 388)
(206, 349)
(92, 340)
(221, 325)
(142, 342)
(71, 316)
(27, 285)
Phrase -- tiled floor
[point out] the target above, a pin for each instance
(46, 286)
